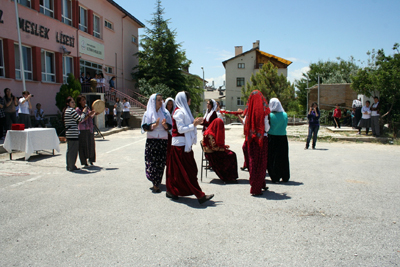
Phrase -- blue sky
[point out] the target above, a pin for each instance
(301, 31)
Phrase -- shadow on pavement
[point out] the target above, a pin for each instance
(194, 203)
(43, 155)
(290, 183)
(271, 195)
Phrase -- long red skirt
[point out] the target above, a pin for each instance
(224, 163)
(258, 162)
(182, 173)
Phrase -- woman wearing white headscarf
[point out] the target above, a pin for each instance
(278, 147)
(211, 114)
(170, 107)
(156, 122)
(182, 168)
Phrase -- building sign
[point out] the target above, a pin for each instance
(33, 28)
(65, 39)
(91, 48)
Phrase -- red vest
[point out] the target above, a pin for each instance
(175, 132)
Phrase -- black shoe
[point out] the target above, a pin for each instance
(205, 198)
(91, 163)
(265, 188)
(73, 169)
(257, 195)
(243, 168)
(169, 195)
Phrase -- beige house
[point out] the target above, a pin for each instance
(238, 71)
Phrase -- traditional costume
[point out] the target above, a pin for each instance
(256, 127)
(170, 131)
(157, 141)
(211, 114)
(182, 168)
(278, 147)
(87, 145)
(223, 160)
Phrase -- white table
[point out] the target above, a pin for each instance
(31, 140)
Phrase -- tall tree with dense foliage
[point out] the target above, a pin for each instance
(270, 84)
(382, 76)
(161, 59)
(329, 72)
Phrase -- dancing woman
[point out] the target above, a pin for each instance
(182, 168)
(223, 160)
(170, 107)
(278, 154)
(156, 122)
(87, 145)
(256, 126)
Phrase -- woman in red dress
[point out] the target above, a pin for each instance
(223, 160)
(211, 114)
(256, 126)
(182, 168)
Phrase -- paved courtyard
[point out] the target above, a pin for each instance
(341, 208)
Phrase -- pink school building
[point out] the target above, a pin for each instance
(65, 36)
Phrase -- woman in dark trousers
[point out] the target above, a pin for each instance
(313, 124)
(71, 119)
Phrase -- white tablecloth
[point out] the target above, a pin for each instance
(31, 140)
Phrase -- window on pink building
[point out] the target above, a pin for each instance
(25, 2)
(1, 59)
(27, 59)
(47, 7)
(48, 70)
(68, 67)
(96, 26)
(83, 22)
(66, 11)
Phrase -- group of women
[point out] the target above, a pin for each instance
(171, 133)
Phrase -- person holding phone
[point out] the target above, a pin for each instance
(313, 124)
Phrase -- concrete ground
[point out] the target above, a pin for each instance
(340, 208)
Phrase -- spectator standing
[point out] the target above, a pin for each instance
(337, 115)
(365, 121)
(113, 93)
(126, 112)
(24, 107)
(313, 124)
(10, 111)
(119, 108)
(39, 120)
(346, 117)
(375, 117)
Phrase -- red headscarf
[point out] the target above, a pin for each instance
(257, 109)
(217, 130)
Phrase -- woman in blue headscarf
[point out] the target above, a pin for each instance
(156, 122)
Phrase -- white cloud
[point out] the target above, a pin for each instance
(293, 59)
(297, 74)
(218, 81)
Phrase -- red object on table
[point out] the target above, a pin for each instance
(18, 126)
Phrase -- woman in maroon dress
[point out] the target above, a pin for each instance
(182, 168)
(223, 160)
(211, 114)
(256, 126)
(170, 106)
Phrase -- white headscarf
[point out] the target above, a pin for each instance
(207, 116)
(173, 104)
(190, 137)
(151, 115)
(275, 105)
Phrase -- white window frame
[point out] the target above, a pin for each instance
(66, 5)
(108, 25)
(25, 3)
(46, 75)
(47, 10)
(83, 27)
(96, 33)
(237, 81)
(241, 66)
(27, 67)
(64, 66)
(239, 101)
(2, 70)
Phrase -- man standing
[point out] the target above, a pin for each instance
(375, 117)
(24, 107)
(119, 107)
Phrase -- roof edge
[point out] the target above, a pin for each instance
(126, 13)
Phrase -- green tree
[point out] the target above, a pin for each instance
(330, 72)
(382, 75)
(270, 84)
(161, 59)
(147, 89)
(71, 88)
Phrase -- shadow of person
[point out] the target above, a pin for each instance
(217, 181)
(292, 183)
(322, 149)
(194, 203)
(271, 195)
